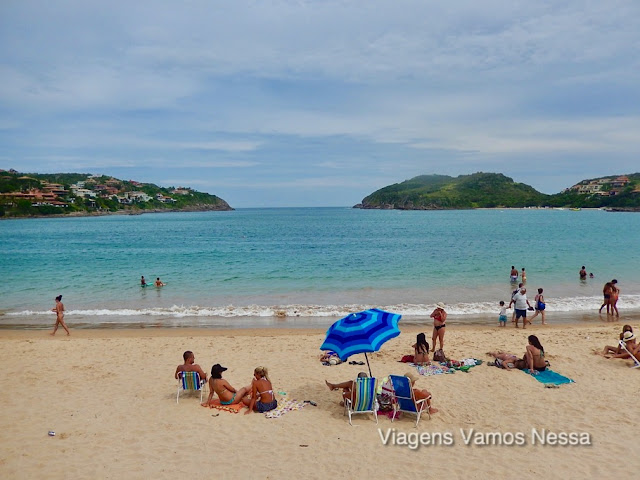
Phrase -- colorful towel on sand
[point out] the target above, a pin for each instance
(550, 377)
(428, 370)
(284, 407)
(227, 408)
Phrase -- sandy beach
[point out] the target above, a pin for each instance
(110, 397)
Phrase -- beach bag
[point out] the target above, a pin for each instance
(541, 305)
(439, 356)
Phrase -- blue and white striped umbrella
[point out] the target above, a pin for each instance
(361, 332)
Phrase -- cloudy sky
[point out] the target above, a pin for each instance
(304, 103)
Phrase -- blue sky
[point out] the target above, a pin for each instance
(305, 103)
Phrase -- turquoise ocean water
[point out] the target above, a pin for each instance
(310, 266)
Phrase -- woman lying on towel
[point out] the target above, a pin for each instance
(534, 356)
(508, 361)
(226, 393)
(262, 399)
(617, 349)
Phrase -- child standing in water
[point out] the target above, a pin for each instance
(502, 316)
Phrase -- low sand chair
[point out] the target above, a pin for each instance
(190, 382)
(364, 398)
(405, 400)
(636, 362)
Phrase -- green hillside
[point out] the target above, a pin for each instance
(479, 190)
(37, 194)
(494, 190)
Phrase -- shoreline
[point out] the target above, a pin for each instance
(195, 208)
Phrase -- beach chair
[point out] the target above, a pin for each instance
(405, 400)
(190, 382)
(636, 362)
(364, 398)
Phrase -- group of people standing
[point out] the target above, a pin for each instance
(521, 305)
(258, 396)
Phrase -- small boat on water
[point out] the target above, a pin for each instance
(576, 209)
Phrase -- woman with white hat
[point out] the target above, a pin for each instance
(439, 317)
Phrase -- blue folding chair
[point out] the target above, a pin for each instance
(405, 400)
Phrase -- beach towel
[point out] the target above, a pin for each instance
(550, 377)
(227, 408)
(428, 370)
(284, 407)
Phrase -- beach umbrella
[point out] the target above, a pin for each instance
(361, 332)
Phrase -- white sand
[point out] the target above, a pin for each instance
(110, 397)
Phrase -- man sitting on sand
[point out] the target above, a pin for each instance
(190, 366)
(347, 387)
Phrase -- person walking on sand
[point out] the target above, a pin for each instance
(606, 292)
(540, 306)
(521, 303)
(513, 294)
(514, 274)
(439, 318)
(502, 316)
(59, 309)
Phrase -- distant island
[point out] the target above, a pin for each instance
(38, 194)
(495, 190)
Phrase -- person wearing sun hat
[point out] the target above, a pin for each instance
(629, 340)
(439, 317)
(226, 393)
(420, 394)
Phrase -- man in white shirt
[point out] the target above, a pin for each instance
(521, 305)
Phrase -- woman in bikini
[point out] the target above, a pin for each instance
(226, 393)
(534, 356)
(439, 318)
(262, 399)
(613, 300)
(540, 307)
(421, 350)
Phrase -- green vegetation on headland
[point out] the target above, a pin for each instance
(495, 190)
(35, 194)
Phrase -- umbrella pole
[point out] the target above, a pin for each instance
(368, 366)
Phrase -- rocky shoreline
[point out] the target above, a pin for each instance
(191, 208)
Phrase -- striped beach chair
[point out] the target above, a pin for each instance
(636, 361)
(405, 400)
(190, 382)
(364, 398)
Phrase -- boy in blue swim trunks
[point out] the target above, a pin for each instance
(502, 317)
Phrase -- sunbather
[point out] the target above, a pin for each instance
(508, 361)
(226, 393)
(189, 365)
(262, 398)
(421, 350)
(629, 340)
(347, 387)
(617, 349)
(534, 356)
(420, 394)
